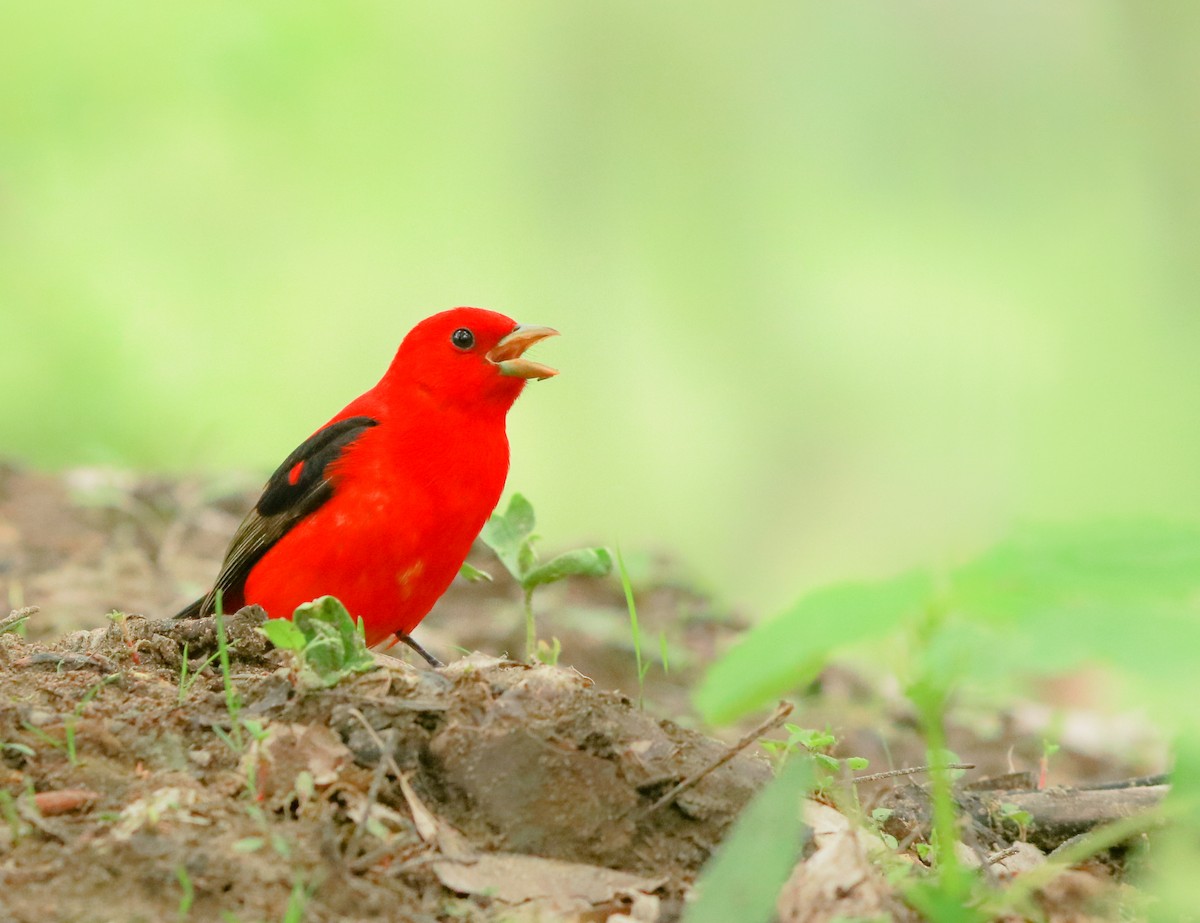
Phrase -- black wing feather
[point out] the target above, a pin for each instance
(284, 502)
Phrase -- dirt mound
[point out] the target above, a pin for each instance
(393, 794)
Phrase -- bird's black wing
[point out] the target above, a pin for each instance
(298, 487)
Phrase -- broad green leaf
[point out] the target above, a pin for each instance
(583, 562)
(1177, 849)
(520, 515)
(1052, 567)
(508, 534)
(334, 646)
(789, 651)
(283, 633)
(1121, 593)
(742, 881)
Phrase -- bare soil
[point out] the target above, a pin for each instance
(487, 790)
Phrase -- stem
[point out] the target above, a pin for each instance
(954, 881)
(530, 627)
(233, 704)
(635, 629)
(944, 822)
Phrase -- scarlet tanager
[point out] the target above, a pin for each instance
(379, 507)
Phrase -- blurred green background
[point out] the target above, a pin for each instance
(843, 286)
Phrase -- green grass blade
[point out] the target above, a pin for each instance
(741, 882)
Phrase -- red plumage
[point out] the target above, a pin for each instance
(380, 506)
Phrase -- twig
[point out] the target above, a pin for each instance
(911, 771)
(385, 747)
(61, 662)
(1054, 816)
(1138, 782)
(777, 718)
(1098, 840)
(433, 832)
(1003, 854)
(384, 751)
(1057, 815)
(369, 860)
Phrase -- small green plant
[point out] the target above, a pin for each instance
(636, 631)
(253, 844)
(324, 642)
(818, 743)
(549, 652)
(234, 738)
(77, 713)
(298, 900)
(233, 701)
(45, 738)
(510, 536)
(1014, 610)
(1014, 814)
(188, 897)
(1048, 750)
(827, 769)
(878, 818)
(17, 827)
(188, 680)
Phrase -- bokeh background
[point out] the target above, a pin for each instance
(843, 286)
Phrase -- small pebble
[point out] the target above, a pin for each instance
(201, 758)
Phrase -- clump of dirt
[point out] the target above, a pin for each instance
(382, 793)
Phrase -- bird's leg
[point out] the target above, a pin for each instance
(412, 642)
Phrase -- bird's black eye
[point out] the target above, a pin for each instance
(462, 338)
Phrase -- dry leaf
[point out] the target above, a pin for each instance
(838, 880)
(561, 886)
(290, 749)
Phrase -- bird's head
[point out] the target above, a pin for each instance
(470, 356)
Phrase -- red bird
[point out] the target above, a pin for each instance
(379, 507)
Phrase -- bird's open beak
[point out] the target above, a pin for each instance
(507, 354)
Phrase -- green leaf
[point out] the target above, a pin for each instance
(1176, 848)
(1050, 567)
(19, 748)
(789, 651)
(473, 574)
(520, 515)
(1111, 592)
(283, 634)
(334, 647)
(526, 556)
(742, 880)
(509, 534)
(583, 562)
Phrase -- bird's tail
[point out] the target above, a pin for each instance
(196, 610)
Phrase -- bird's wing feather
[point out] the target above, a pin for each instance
(298, 487)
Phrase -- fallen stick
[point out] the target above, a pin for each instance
(910, 771)
(1058, 814)
(777, 718)
(1047, 818)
